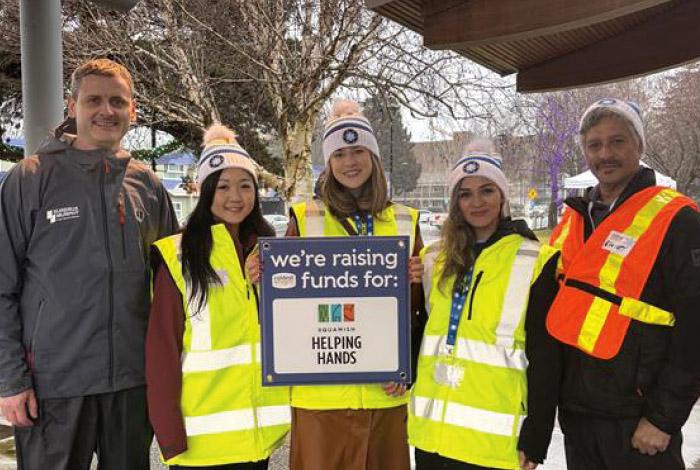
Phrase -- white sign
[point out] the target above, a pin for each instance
(336, 334)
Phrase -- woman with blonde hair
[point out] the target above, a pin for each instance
(205, 396)
(486, 283)
(353, 426)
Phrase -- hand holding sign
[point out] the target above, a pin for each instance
(394, 389)
(415, 269)
(253, 267)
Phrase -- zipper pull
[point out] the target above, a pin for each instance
(107, 167)
(120, 206)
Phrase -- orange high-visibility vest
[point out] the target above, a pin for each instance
(604, 276)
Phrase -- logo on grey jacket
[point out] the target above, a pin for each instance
(695, 255)
(63, 213)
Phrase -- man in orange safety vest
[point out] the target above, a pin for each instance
(626, 318)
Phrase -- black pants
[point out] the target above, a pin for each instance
(69, 430)
(593, 443)
(259, 465)
(431, 461)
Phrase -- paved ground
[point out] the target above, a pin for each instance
(555, 461)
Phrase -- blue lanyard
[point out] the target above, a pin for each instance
(364, 227)
(459, 297)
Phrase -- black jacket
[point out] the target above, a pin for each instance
(656, 374)
(75, 232)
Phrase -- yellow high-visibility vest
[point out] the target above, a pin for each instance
(477, 420)
(603, 277)
(229, 416)
(314, 220)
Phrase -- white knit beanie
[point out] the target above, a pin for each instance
(628, 110)
(347, 127)
(221, 151)
(480, 159)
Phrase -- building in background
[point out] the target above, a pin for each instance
(176, 170)
(520, 164)
(435, 159)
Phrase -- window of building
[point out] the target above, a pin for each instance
(179, 169)
(178, 209)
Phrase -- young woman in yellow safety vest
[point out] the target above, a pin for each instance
(203, 372)
(352, 427)
(486, 283)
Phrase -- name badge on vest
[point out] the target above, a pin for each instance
(619, 243)
(448, 374)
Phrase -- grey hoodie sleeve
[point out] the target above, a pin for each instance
(16, 222)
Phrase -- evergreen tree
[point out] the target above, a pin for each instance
(394, 142)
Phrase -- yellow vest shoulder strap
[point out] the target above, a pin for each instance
(429, 255)
(314, 215)
(405, 223)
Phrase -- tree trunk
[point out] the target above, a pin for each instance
(296, 150)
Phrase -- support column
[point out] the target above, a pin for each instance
(42, 69)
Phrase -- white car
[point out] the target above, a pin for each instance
(278, 221)
(438, 218)
(424, 216)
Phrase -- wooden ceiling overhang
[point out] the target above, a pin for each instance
(557, 44)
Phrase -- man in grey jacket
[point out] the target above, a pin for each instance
(76, 223)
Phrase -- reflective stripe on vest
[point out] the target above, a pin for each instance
(569, 225)
(197, 361)
(429, 256)
(476, 351)
(605, 275)
(237, 420)
(314, 215)
(228, 415)
(201, 326)
(515, 300)
(468, 417)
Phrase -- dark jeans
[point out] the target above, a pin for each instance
(259, 465)
(594, 443)
(70, 430)
(431, 461)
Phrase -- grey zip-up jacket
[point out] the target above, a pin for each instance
(75, 233)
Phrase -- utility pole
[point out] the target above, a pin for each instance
(42, 69)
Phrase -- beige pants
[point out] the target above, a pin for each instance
(349, 439)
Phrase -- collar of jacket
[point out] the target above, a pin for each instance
(507, 227)
(644, 178)
(88, 160)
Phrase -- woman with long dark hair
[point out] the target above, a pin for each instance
(487, 286)
(203, 373)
